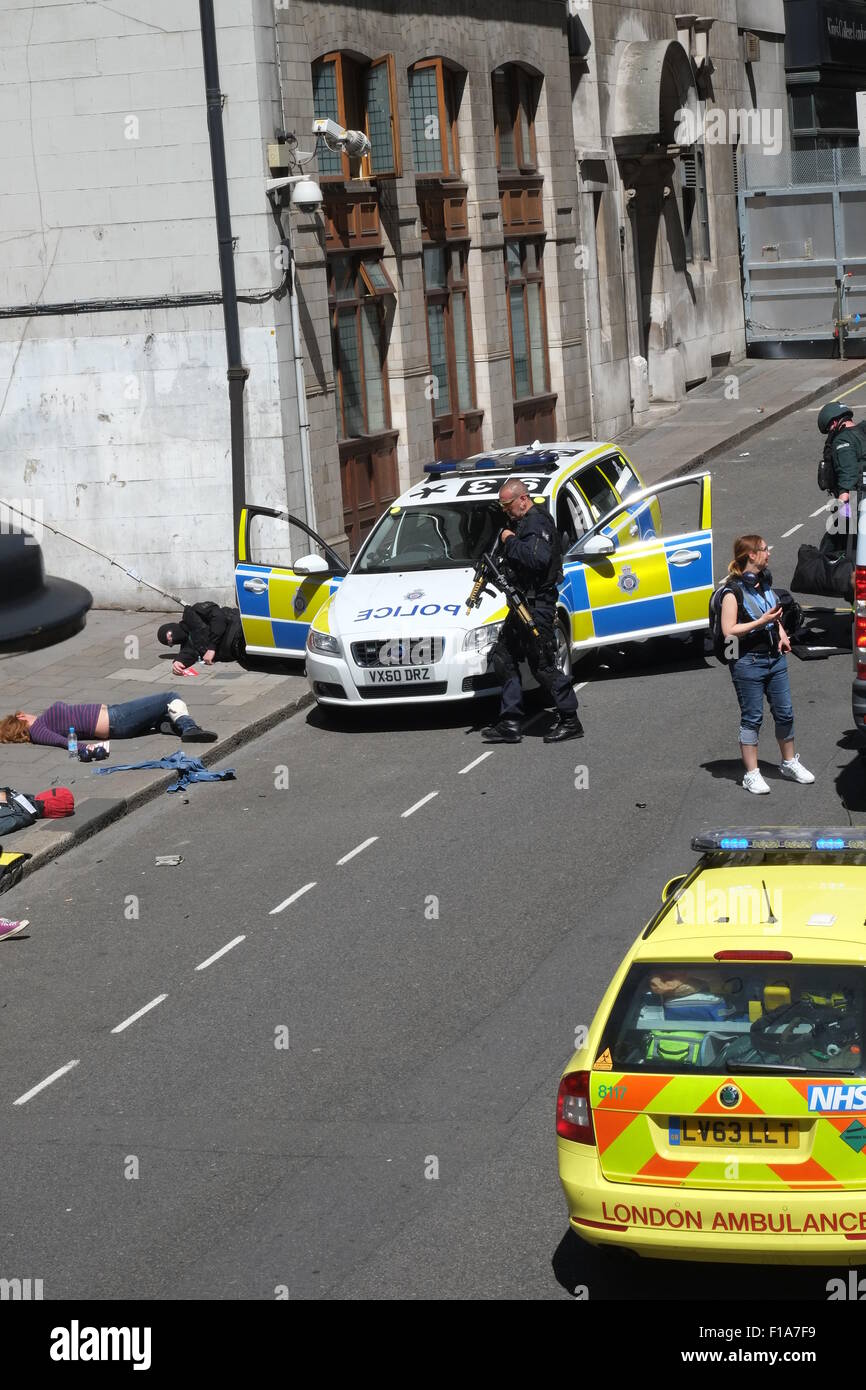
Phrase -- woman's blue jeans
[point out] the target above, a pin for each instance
(756, 675)
(139, 716)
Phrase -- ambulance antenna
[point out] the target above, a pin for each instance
(772, 916)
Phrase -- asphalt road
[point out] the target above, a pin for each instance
(355, 1100)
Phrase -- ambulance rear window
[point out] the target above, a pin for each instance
(764, 1016)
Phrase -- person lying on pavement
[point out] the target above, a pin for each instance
(165, 712)
(206, 633)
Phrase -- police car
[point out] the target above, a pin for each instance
(717, 1110)
(637, 563)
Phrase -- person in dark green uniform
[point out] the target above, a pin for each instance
(845, 452)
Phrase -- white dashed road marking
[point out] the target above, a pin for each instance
(61, 1071)
(419, 804)
(294, 898)
(357, 850)
(469, 766)
(221, 952)
(132, 1017)
(826, 507)
(792, 530)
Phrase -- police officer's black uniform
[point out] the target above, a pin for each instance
(534, 557)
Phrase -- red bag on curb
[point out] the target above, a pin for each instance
(56, 802)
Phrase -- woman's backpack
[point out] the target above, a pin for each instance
(721, 645)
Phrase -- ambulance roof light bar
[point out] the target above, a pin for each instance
(780, 839)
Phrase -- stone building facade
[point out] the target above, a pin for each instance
(478, 337)
(532, 250)
(628, 231)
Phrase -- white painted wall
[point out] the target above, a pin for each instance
(119, 421)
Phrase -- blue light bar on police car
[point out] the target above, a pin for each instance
(780, 838)
(449, 467)
(544, 458)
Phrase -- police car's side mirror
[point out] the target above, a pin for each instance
(311, 564)
(592, 546)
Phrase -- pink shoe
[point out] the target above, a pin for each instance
(10, 928)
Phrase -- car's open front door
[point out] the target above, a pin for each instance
(285, 575)
(644, 569)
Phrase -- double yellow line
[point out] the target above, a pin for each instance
(858, 387)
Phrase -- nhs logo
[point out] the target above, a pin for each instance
(837, 1098)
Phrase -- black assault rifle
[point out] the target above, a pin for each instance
(489, 572)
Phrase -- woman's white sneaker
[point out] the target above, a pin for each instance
(754, 782)
(794, 770)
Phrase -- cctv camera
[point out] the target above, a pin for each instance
(307, 194)
(354, 142)
(328, 129)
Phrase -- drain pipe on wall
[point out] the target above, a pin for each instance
(237, 373)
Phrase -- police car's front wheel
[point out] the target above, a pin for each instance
(563, 649)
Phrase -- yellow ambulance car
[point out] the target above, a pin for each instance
(717, 1110)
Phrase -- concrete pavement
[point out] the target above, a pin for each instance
(116, 657)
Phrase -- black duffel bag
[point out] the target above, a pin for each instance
(822, 572)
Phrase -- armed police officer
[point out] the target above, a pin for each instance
(533, 554)
(844, 452)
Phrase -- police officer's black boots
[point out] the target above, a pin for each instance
(563, 727)
(505, 731)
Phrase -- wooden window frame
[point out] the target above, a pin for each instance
(526, 278)
(366, 164)
(442, 294)
(355, 306)
(447, 110)
(527, 162)
(351, 78)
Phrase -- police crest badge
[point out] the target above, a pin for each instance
(628, 580)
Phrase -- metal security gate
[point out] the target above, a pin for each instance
(802, 219)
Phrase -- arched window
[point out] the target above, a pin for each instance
(360, 96)
(515, 98)
(433, 112)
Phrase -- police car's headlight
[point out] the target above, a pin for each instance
(323, 642)
(481, 638)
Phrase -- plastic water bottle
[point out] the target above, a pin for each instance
(72, 744)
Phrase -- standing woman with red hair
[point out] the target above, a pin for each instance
(752, 619)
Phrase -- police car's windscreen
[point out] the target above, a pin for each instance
(444, 535)
(749, 1016)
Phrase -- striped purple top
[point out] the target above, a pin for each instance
(53, 724)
